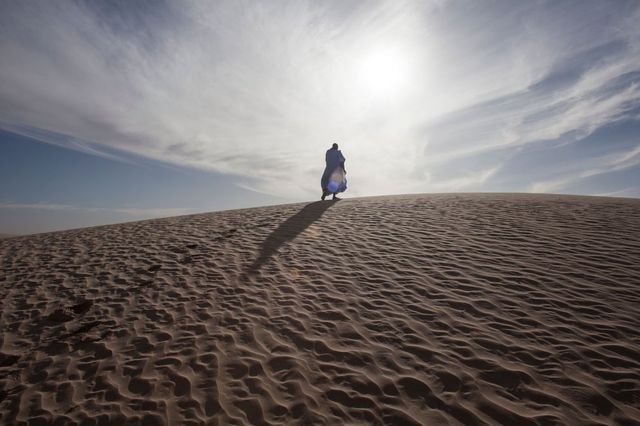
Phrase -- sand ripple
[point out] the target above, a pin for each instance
(435, 309)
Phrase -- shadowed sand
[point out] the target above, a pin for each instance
(287, 231)
(427, 309)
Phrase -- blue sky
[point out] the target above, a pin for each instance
(45, 187)
(117, 111)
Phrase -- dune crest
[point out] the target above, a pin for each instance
(425, 309)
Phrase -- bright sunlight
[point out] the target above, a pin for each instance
(384, 72)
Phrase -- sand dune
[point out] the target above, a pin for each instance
(432, 309)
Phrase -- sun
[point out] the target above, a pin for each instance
(384, 72)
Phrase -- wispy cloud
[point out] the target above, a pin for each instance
(590, 167)
(631, 192)
(135, 212)
(259, 90)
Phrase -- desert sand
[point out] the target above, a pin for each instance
(424, 309)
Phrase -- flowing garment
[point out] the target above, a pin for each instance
(334, 178)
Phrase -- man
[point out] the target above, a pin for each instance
(333, 179)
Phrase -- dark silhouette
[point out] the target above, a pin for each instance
(334, 178)
(287, 231)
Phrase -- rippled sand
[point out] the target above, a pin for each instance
(429, 309)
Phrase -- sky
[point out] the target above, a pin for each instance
(117, 111)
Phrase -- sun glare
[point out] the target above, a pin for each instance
(383, 72)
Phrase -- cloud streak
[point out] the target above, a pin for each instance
(260, 90)
(146, 213)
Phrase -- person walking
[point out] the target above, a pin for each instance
(334, 178)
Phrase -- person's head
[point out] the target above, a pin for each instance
(334, 146)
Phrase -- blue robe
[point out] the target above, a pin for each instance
(334, 178)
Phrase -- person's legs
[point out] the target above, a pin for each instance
(324, 194)
(334, 197)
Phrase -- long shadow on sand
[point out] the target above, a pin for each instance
(287, 231)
